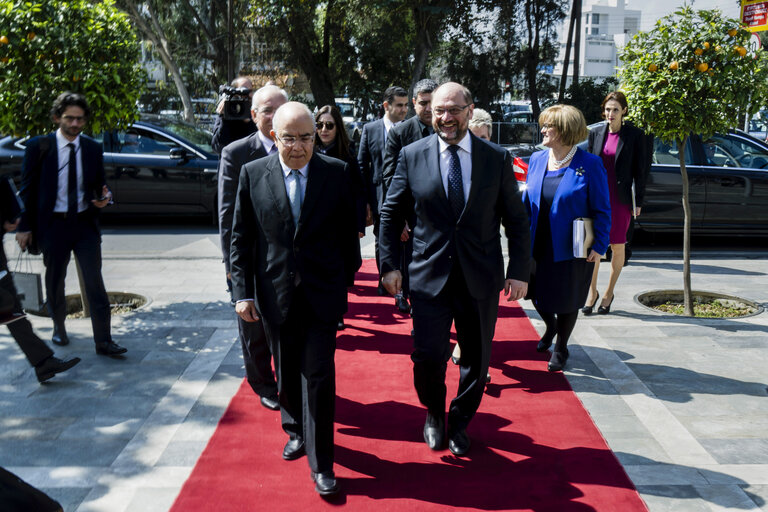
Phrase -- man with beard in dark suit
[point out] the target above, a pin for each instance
(294, 251)
(461, 189)
(63, 188)
(416, 128)
(256, 353)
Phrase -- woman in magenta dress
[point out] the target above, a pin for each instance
(623, 150)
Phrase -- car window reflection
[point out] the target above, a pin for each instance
(143, 142)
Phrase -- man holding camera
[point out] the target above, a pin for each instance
(256, 353)
(234, 121)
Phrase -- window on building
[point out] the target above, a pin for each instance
(595, 31)
(595, 18)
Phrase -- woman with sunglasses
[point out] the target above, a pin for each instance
(331, 139)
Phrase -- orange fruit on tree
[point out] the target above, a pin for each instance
(698, 51)
(706, 45)
(30, 35)
(733, 32)
(674, 65)
(711, 73)
(3, 39)
(702, 66)
(741, 51)
(5, 60)
(652, 68)
(717, 48)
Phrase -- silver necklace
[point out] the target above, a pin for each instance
(559, 163)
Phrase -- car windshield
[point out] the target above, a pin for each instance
(346, 109)
(194, 134)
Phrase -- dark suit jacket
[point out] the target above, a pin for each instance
(233, 157)
(227, 132)
(370, 158)
(267, 252)
(400, 136)
(632, 160)
(493, 199)
(38, 188)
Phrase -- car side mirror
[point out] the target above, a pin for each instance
(179, 154)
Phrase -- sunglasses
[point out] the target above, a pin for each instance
(327, 124)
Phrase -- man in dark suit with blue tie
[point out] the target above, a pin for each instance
(295, 249)
(256, 354)
(370, 155)
(63, 188)
(461, 189)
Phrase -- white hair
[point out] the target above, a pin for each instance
(266, 91)
(286, 110)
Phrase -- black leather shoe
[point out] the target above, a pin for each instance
(458, 442)
(604, 310)
(53, 365)
(557, 361)
(434, 431)
(110, 348)
(402, 304)
(325, 483)
(294, 449)
(270, 402)
(587, 310)
(59, 337)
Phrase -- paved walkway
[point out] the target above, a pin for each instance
(683, 403)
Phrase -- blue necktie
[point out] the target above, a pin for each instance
(72, 183)
(294, 195)
(455, 183)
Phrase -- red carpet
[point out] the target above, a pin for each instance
(534, 446)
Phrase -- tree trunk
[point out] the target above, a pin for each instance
(687, 295)
(532, 57)
(153, 31)
(577, 42)
(566, 60)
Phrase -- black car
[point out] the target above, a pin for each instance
(157, 166)
(728, 180)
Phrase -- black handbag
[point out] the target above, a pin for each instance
(29, 285)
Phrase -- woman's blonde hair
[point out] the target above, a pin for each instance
(568, 121)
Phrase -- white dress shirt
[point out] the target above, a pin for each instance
(62, 197)
(266, 142)
(465, 159)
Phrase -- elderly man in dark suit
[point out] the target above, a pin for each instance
(294, 251)
(370, 155)
(63, 188)
(462, 189)
(256, 353)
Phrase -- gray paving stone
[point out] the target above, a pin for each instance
(74, 452)
(738, 451)
(673, 498)
(182, 453)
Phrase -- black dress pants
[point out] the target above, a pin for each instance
(33, 347)
(81, 236)
(475, 321)
(257, 357)
(305, 346)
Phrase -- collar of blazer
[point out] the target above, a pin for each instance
(255, 147)
(600, 140)
(316, 176)
(480, 156)
(540, 169)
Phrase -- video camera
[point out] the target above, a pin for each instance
(237, 103)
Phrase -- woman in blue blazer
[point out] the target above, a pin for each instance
(564, 183)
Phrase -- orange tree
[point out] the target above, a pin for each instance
(692, 73)
(51, 46)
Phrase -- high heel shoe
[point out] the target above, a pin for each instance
(587, 310)
(604, 310)
(558, 360)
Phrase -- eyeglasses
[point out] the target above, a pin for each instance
(68, 118)
(328, 125)
(454, 111)
(547, 126)
(289, 140)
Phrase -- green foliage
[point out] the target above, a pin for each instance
(587, 94)
(692, 74)
(53, 46)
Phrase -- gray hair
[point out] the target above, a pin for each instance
(267, 90)
(481, 118)
(423, 86)
(286, 109)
